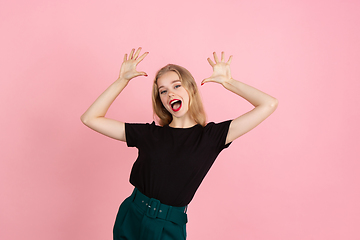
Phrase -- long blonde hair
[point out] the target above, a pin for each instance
(196, 109)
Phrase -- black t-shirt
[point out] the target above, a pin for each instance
(172, 162)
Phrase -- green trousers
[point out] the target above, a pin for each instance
(143, 218)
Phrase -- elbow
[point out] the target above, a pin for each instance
(274, 103)
(84, 119)
(271, 105)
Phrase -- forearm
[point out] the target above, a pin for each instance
(251, 94)
(104, 101)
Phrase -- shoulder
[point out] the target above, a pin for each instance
(136, 133)
(217, 130)
(141, 125)
(220, 125)
(145, 129)
(216, 133)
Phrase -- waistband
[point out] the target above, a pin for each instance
(153, 208)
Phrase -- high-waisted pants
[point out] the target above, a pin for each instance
(143, 218)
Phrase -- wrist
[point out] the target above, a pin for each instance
(122, 80)
(228, 82)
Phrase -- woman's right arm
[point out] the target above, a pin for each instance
(94, 117)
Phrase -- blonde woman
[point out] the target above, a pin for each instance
(175, 155)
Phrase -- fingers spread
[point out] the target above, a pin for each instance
(211, 62)
(230, 58)
(137, 52)
(125, 57)
(142, 57)
(131, 53)
(216, 58)
(222, 56)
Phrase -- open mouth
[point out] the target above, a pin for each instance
(175, 104)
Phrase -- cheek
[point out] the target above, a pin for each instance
(186, 96)
(163, 100)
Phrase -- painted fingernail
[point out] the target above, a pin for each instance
(145, 75)
(202, 83)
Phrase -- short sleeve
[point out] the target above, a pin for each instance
(135, 132)
(217, 133)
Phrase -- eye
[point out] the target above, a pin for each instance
(177, 86)
(163, 91)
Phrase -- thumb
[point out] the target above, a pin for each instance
(205, 81)
(144, 74)
(141, 74)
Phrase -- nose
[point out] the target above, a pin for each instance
(171, 93)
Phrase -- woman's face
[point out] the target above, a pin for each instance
(173, 95)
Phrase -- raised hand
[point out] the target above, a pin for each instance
(221, 70)
(128, 67)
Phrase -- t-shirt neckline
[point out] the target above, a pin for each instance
(182, 128)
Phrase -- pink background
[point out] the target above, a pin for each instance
(296, 176)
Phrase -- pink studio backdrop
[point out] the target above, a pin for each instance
(296, 176)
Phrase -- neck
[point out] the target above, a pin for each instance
(182, 123)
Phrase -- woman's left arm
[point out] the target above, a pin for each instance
(264, 104)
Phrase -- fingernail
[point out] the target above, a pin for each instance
(145, 75)
(202, 83)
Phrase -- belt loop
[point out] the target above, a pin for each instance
(169, 213)
(133, 195)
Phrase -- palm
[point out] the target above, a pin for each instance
(128, 67)
(221, 70)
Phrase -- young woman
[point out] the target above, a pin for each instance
(175, 155)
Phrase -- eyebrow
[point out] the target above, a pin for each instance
(177, 80)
